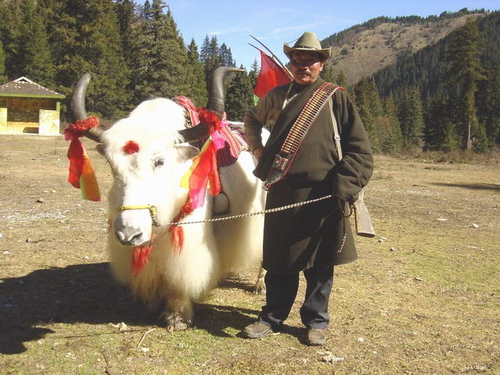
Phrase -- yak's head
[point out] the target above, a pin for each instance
(149, 153)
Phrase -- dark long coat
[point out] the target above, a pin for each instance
(316, 234)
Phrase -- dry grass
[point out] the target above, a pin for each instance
(422, 299)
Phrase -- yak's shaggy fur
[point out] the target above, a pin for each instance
(152, 176)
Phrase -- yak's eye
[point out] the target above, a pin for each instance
(158, 162)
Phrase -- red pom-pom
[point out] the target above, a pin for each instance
(210, 118)
(131, 147)
(80, 126)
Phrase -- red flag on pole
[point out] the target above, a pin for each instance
(271, 75)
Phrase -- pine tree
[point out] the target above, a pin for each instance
(488, 99)
(239, 96)
(226, 56)
(10, 33)
(410, 114)
(464, 73)
(252, 77)
(254, 73)
(440, 133)
(341, 79)
(450, 142)
(391, 140)
(210, 57)
(327, 73)
(197, 91)
(111, 69)
(163, 61)
(129, 25)
(85, 38)
(128, 21)
(369, 105)
(205, 50)
(3, 77)
(35, 47)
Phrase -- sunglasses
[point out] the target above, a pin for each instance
(304, 63)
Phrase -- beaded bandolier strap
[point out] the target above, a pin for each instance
(283, 159)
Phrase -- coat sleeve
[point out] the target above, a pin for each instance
(253, 124)
(263, 115)
(356, 167)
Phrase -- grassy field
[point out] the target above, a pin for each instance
(423, 298)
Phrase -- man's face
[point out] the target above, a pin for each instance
(306, 66)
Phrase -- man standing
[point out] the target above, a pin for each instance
(311, 238)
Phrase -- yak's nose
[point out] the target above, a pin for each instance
(132, 239)
(132, 227)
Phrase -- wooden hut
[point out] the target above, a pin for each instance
(26, 107)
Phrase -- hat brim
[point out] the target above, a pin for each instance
(325, 52)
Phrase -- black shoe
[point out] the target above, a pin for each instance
(316, 336)
(258, 329)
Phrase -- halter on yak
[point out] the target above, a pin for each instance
(220, 148)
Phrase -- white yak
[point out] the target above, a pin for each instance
(149, 153)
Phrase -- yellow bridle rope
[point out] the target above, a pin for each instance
(152, 211)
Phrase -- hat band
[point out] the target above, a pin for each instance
(305, 47)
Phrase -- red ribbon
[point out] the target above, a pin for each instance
(81, 172)
(206, 172)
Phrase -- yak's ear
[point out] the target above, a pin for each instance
(186, 151)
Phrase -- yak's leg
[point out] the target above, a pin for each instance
(260, 285)
(179, 312)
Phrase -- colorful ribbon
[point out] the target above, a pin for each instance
(81, 171)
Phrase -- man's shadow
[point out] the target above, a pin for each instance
(85, 293)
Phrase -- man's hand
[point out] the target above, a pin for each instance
(257, 153)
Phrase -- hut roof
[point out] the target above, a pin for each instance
(24, 88)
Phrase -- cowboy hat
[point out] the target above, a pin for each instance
(308, 42)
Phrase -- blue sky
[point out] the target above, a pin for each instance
(279, 21)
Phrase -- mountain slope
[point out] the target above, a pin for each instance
(363, 50)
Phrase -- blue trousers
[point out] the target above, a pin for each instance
(282, 291)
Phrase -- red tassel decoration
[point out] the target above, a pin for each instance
(177, 237)
(176, 231)
(140, 258)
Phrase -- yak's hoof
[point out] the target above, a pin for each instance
(259, 288)
(176, 322)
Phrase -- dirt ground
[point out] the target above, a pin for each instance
(423, 298)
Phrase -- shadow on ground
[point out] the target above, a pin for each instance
(77, 293)
(476, 186)
(87, 294)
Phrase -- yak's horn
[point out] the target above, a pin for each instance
(216, 97)
(78, 111)
(215, 104)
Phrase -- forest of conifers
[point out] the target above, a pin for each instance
(446, 97)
